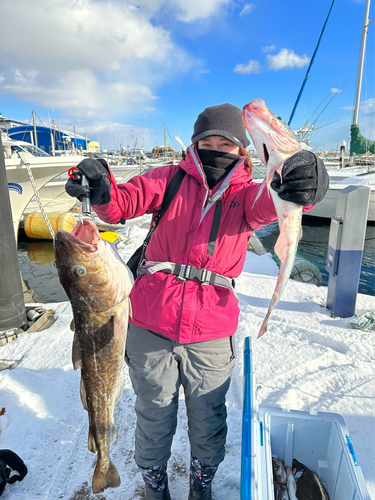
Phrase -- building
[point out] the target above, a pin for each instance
(51, 139)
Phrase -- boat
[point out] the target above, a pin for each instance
(326, 209)
(44, 168)
(54, 197)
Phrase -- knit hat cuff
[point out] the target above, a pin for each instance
(221, 133)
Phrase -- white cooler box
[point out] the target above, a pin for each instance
(320, 441)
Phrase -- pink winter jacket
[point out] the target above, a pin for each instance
(189, 311)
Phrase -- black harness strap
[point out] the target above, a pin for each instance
(137, 258)
(10, 462)
(215, 227)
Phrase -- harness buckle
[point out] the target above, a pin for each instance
(188, 272)
(205, 277)
(182, 274)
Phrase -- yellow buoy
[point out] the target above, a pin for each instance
(35, 227)
(111, 237)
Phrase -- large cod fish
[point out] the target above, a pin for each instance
(275, 143)
(98, 284)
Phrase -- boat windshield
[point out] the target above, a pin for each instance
(33, 150)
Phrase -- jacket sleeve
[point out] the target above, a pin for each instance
(141, 194)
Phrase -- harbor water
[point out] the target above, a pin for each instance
(36, 259)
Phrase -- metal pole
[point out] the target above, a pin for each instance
(342, 154)
(345, 249)
(52, 145)
(361, 62)
(12, 305)
(360, 69)
(36, 137)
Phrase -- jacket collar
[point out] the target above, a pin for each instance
(193, 166)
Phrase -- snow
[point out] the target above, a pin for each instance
(366, 180)
(307, 360)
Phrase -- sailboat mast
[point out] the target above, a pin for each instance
(361, 62)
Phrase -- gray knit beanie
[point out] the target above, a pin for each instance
(224, 120)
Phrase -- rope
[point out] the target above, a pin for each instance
(36, 193)
(310, 65)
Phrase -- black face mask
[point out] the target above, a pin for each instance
(216, 164)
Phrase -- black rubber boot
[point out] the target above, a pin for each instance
(201, 477)
(203, 494)
(156, 482)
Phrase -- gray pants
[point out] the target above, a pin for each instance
(158, 366)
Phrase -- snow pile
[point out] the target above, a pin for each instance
(368, 180)
(306, 361)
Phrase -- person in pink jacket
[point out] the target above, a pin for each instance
(185, 311)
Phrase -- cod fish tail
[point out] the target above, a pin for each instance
(105, 476)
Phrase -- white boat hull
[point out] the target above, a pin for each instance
(327, 207)
(43, 169)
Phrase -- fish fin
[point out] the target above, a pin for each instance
(263, 328)
(72, 325)
(76, 353)
(259, 191)
(82, 392)
(105, 479)
(281, 250)
(91, 443)
(120, 329)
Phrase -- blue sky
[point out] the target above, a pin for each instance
(118, 70)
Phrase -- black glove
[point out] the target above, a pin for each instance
(100, 186)
(304, 180)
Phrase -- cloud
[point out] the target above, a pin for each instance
(108, 132)
(83, 55)
(79, 93)
(205, 71)
(286, 59)
(366, 107)
(248, 9)
(250, 67)
(191, 10)
(269, 48)
(185, 10)
(335, 91)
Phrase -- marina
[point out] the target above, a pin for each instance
(299, 409)
(40, 275)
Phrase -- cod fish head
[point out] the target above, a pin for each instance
(273, 139)
(90, 269)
